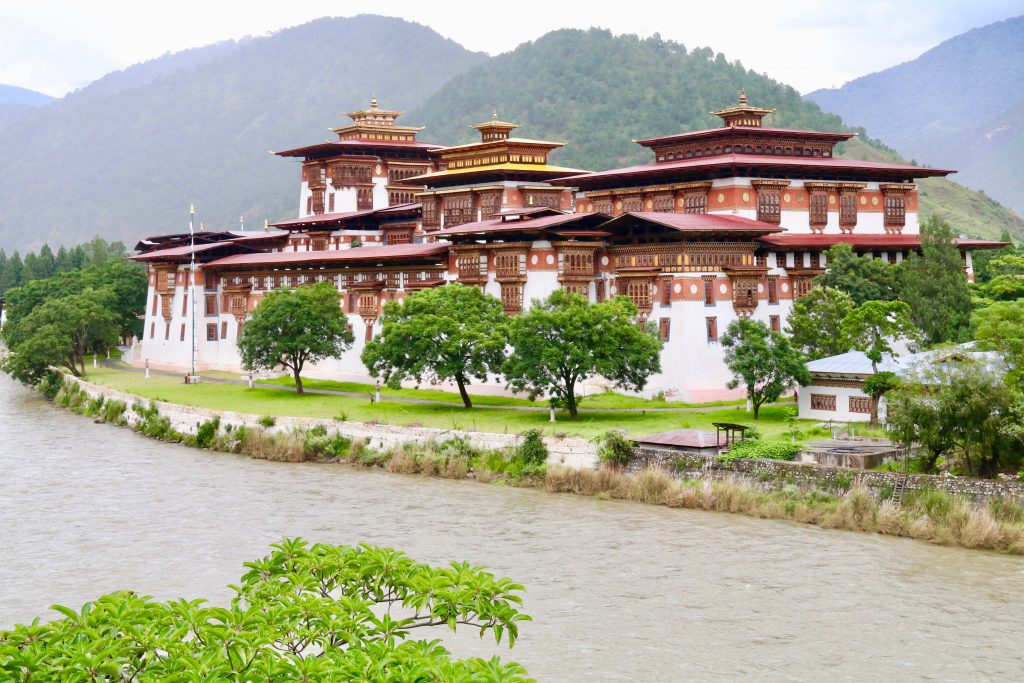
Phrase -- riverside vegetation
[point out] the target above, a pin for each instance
(925, 515)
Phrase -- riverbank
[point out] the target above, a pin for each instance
(925, 515)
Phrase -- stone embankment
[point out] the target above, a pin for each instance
(569, 451)
(813, 475)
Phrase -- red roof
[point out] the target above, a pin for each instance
(492, 225)
(686, 438)
(174, 252)
(386, 253)
(725, 130)
(865, 241)
(722, 222)
(342, 146)
(322, 218)
(758, 160)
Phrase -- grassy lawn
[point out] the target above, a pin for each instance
(594, 419)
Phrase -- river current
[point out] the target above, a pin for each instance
(618, 591)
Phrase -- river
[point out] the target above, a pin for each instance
(618, 591)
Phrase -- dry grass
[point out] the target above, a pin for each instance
(263, 445)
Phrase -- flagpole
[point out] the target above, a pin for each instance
(192, 282)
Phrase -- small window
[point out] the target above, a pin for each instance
(152, 330)
(211, 304)
(709, 292)
(823, 402)
(154, 304)
(184, 303)
(773, 290)
(369, 333)
(224, 330)
(211, 332)
(773, 321)
(712, 324)
(860, 404)
(167, 331)
(182, 338)
(664, 328)
(666, 293)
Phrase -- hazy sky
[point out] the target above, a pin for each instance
(58, 45)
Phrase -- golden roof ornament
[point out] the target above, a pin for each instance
(742, 114)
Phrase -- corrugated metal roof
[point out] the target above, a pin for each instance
(685, 438)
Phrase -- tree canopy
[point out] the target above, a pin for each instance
(815, 325)
(761, 361)
(863, 278)
(293, 327)
(303, 613)
(452, 333)
(874, 325)
(564, 340)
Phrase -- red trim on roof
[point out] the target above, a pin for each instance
(386, 253)
(727, 130)
(527, 224)
(865, 241)
(324, 218)
(697, 222)
(340, 146)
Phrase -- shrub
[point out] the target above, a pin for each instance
(113, 412)
(769, 450)
(207, 432)
(262, 445)
(321, 444)
(532, 450)
(51, 384)
(615, 449)
(844, 480)
(267, 421)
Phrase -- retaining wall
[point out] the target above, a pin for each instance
(812, 475)
(571, 451)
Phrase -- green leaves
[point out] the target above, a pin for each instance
(814, 326)
(761, 361)
(874, 324)
(303, 613)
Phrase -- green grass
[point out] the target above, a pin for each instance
(266, 401)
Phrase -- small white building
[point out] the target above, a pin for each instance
(836, 392)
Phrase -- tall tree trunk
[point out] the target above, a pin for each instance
(570, 399)
(298, 381)
(461, 381)
(874, 410)
(757, 408)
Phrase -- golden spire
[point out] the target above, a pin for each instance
(494, 116)
(373, 102)
(743, 97)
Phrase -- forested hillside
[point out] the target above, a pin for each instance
(126, 160)
(596, 92)
(961, 105)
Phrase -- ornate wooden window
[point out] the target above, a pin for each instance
(709, 291)
(814, 259)
(774, 323)
(319, 243)
(860, 404)
(577, 263)
(508, 264)
(712, 327)
(823, 402)
(744, 295)
(318, 201)
(639, 292)
(773, 290)
(818, 210)
(238, 305)
(211, 304)
(364, 198)
(603, 205)
(165, 306)
(469, 267)
(490, 204)
(398, 236)
(224, 330)
(458, 210)
(664, 203)
(696, 202)
(512, 297)
(368, 305)
(663, 328)
(802, 286)
(581, 288)
(847, 210)
(633, 203)
(666, 292)
(769, 206)
(430, 215)
(550, 199)
(601, 288)
(895, 212)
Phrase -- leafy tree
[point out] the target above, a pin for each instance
(1000, 327)
(982, 260)
(452, 332)
(870, 328)
(862, 277)
(11, 276)
(293, 327)
(302, 613)
(762, 361)
(963, 411)
(934, 286)
(815, 325)
(61, 332)
(878, 385)
(1005, 281)
(562, 341)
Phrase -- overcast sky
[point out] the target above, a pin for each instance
(59, 45)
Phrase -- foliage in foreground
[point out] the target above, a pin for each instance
(761, 361)
(770, 450)
(303, 613)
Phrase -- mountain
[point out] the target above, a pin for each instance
(960, 105)
(596, 92)
(123, 157)
(12, 94)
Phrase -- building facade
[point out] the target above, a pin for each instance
(723, 223)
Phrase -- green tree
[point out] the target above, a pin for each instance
(1005, 281)
(293, 327)
(452, 332)
(11, 277)
(862, 277)
(964, 411)
(878, 385)
(762, 361)
(1000, 327)
(982, 260)
(934, 286)
(871, 327)
(303, 613)
(815, 325)
(60, 332)
(563, 340)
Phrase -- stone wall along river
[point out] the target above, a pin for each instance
(618, 591)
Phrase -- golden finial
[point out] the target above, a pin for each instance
(743, 97)
(373, 103)
(494, 116)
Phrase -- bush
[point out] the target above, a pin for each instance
(51, 384)
(768, 450)
(207, 433)
(615, 449)
(320, 444)
(267, 421)
(532, 450)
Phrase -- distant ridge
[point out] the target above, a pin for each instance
(12, 94)
(960, 104)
